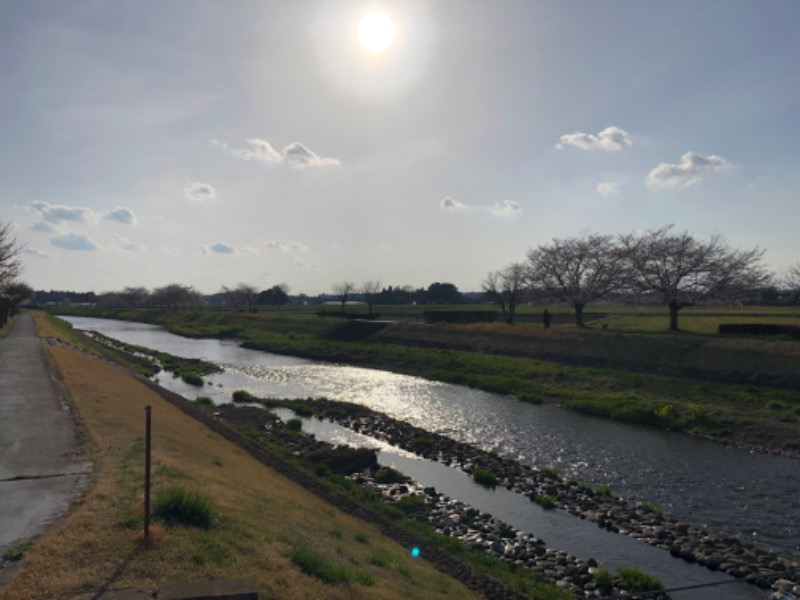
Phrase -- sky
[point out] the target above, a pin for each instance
(211, 143)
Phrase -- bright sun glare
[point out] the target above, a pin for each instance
(376, 32)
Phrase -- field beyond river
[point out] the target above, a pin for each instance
(740, 391)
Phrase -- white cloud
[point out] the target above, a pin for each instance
(611, 139)
(171, 250)
(43, 227)
(121, 215)
(34, 253)
(689, 171)
(251, 250)
(506, 208)
(286, 246)
(219, 248)
(74, 241)
(608, 188)
(295, 155)
(199, 192)
(129, 245)
(57, 213)
(448, 203)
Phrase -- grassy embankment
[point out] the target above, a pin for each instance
(264, 524)
(684, 382)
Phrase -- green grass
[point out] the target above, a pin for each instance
(178, 506)
(17, 552)
(318, 565)
(637, 580)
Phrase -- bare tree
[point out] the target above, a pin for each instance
(134, 296)
(242, 295)
(507, 288)
(12, 295)
(10, 267)
(792, 277)
(577, 270)
(343, 290)
(369, 289)
(679, 270)
(176, 295)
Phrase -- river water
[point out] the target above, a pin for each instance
(752, 496)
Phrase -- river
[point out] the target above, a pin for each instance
(752, 496)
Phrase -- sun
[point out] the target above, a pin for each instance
(376, 32)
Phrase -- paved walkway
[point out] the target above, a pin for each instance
(38, 473)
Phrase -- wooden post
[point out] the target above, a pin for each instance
(147, 473)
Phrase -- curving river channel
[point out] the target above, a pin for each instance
(752, 496)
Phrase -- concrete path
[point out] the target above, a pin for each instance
(38, 473)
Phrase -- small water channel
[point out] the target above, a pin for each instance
(749, 495)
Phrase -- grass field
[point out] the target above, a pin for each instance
(264, 525)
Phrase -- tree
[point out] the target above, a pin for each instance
(507, 288)
(792, 278)
(243, 294)
(12, 295)
(10, 267)
(134, 296)
(442, 293)
(679, 270)
(176, 295)
(342, 290)
(277, 295)
(577, 270)
(370, 289)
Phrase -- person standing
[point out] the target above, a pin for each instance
(546, 319)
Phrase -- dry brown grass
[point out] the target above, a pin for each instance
(262, 514)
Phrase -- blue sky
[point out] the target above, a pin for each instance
(213, 143)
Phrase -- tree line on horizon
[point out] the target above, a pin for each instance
(658, 266)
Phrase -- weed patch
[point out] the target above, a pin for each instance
(178, 506)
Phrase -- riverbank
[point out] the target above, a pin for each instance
(265, 525)
(643, 522)
(618, 376)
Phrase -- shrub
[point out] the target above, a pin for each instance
(603, 580)
(410, 504)
(637, 580)
(484, 477)
(302, 410)
(551, 473)
(389, 475)
(192, 379)
(204, 401)
(361, 537)
(651, 508)
(177, 506)
(547, 502)
(294, 425)
(243, 396)
(605, 490)
(16, 553)
(421, 443)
